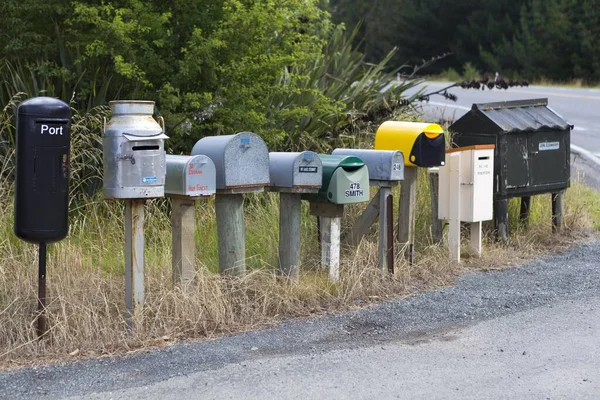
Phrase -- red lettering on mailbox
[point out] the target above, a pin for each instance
(200, 187)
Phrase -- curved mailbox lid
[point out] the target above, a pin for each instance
(191, 176)
(354, 170)
(384, 165)
(302, 170)
(423, 144)
(241, 160)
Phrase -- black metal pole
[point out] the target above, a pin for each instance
(41, 321)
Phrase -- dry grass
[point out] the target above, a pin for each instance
(86, 283)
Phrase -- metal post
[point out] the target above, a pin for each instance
(390, 233)
(232, 233)
(289, 235)
(41, 319)
(183, 226)
(134, 257)
(384, 239)
(434, 185)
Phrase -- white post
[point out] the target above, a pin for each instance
(134, 257)
(330, 246)
(454, 203)
(476, 238)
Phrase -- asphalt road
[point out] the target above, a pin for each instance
(525, 332)
(580, 107)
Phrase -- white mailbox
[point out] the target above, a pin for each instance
(476, 174)
(190, 176)
(466, 193)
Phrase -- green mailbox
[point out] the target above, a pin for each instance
(345, 180)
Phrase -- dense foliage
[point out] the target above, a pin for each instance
(538, 39)
(280, 69)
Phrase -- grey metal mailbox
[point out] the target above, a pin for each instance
(241, 160)
(134, 155)
(383, 165)
(190, 176)
(297, 172)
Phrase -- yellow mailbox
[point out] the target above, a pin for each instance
(423, 144)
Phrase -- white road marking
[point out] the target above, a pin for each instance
(435, 103)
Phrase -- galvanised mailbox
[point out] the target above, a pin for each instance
(295, 172)
(241, 160)
(345, 180)
(134, 155)
(383, 165)
(42, 174)
(190, 176)
(422, 144)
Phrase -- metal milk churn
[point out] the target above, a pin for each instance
(134, 153)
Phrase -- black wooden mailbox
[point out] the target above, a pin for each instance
(532, 154)
(42, 175)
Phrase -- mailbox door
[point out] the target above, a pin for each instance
(148, 167)
(482, 176)
(549, 164)
(347, 187)
(515, 162)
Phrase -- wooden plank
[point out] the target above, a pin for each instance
(454, 206)
(501, 219)
(183, 226)
(231, 233)
(384, 240)
(134, 258)
(289, 235)
(525, 209)
(365, 221)
(475, 243)
(406, 212)
(436, 223)
(558, 211)
(330, 246)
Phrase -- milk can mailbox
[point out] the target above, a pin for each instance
(134, 154)
(42, 174)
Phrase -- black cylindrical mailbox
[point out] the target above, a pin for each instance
(42, 176)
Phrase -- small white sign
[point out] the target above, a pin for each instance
(549, 146)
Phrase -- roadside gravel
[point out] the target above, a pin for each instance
(475, 297)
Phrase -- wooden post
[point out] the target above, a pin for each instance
(436, 223)
(289, 235)
(525, 209)
(501, 219)
(365, 221)
(406, 213)
(476, 238)
(330, 246)
(454, 206)
(134, 257)
(558, 210)
(183, 226)
(384, 240)
(231, 233)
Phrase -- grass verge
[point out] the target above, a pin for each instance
(86, 278)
